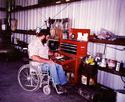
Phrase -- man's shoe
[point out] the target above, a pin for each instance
(59, 89)
(64, 89)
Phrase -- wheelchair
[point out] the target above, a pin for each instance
(31, 78)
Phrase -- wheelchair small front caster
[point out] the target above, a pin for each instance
(46, 90)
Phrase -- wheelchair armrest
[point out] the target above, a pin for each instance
(31, 60)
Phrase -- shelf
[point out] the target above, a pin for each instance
(2, 9)
(21, 44)
(105, 69)
(3, 31)
(111, 71)
(29, 32)
(20, 8)
(118, 41)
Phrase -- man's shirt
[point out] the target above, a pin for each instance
(37, 48)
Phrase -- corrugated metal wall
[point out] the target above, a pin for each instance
(2, 13)
(92, 14)
(2, 3)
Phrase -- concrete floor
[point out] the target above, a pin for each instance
(10, 91)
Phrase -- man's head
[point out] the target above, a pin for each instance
(43, 35)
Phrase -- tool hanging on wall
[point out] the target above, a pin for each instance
(57, 26)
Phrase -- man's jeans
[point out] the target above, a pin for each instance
(56, 72)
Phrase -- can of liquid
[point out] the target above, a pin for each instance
(118, 66)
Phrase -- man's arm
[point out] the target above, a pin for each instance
(40, 59)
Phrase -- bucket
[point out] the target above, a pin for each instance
(120, 96)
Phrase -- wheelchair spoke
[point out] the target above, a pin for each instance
(25, 74)
(29, 81)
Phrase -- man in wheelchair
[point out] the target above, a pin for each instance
(39, 52)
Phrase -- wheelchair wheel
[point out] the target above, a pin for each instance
(46, 89)
(29, 81)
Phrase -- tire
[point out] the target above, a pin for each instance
(46, 90)
(29, 81)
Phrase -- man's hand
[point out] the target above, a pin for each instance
(51, 61)
(56, 54)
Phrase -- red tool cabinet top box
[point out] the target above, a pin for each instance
(73, 50)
